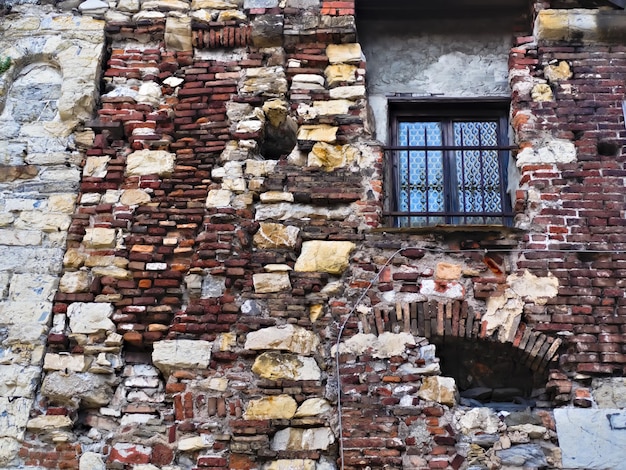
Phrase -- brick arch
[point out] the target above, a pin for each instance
(456, 319)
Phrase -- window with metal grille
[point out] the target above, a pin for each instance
(448, 164)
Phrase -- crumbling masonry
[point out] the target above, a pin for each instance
(201, 266)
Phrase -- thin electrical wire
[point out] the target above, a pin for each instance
(375, 280)
(337, 362)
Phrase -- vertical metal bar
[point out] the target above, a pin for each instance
(501, 136)
(408, 171)
(462, 183)
(481, 161)
(427, 183)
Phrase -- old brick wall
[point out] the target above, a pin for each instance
(229, 297)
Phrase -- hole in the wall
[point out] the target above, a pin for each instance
(279, 140)
(489, 374)
(591, 256)
(608, 148)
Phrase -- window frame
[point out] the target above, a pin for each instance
(401, 109)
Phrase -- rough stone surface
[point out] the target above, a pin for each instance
(265, 283)
(440, 389)
(302, 439)
(601, 429)
(86, 318)
(274, 366)
(324, 256)
(278, 407)
(147, 162)
(181, 354)
(286, 338)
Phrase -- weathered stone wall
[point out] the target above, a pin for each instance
(45, 95)
(215, 289)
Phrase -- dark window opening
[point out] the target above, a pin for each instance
(491, 374)
(447, 164)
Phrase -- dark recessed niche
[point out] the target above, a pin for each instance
(609, 148)
(489, 373)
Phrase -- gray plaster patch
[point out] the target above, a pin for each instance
(302, 3)
(260, 3)
(610, 393)
(592, 439)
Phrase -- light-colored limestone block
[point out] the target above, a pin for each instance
(178, 34)
(181, 354)
(350, 92)
(96, 166)
(297, 439)
(71, 362)
(340, 73)
(542, 92)
(267, 81)
(556, 72)
(213, 5)
(318, 133)
(273, 236)
(90, 318)
(132, 197)
(313, 407)
(344, 53)
(259, 167)
(291, 464)
(384, 346)
(332, 257)
(549, 150)
(274, 366)
(112, 271)
(477, 421)
(32, 287)
(73, 282)
(276, 111)
(504, 312)
(49, 422)
(63, 203)
(14, 417)
(91, 461)
(148, 162)
(440, 389)
(218, 198)
(266, 283)
(330, 157)
(285, 338)
(190, 444)
(271, 197)
(18, 380)
(272, 407)
(99, 237)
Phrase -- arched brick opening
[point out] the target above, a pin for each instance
(438, 320)
(467, 353)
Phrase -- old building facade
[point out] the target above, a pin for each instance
(310, 234)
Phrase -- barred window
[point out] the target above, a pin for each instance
(447, 164)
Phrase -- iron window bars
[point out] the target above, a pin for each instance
(448, 165)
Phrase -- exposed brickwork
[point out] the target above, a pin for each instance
(193, 252)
